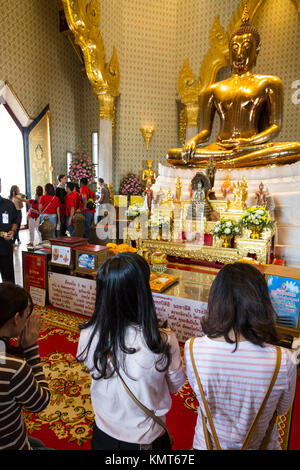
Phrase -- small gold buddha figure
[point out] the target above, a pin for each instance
(250, 111)
(178, 188)
(149, 175)
(240, 196)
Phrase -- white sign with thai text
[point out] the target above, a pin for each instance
(75, 294)
(78, 295)
(183, 315)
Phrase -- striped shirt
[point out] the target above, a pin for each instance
(235, 385)
(22, 384)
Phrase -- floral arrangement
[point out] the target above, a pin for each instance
(159, 221)
(122, 248)
(226, 227)
(81, 167)
(131, 185)
(256, 217)
(135, 210)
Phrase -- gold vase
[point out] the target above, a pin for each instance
(226, 241)
(255, 232)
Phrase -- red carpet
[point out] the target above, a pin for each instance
(67, 421)
(294, 442)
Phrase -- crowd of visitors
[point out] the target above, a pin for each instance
(241, 377)
(60, 204)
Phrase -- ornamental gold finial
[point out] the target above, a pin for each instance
(245, 15)
(147, 133)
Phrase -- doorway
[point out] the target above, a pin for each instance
(12, 161)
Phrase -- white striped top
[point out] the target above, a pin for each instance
(235, 384)
(22, 385)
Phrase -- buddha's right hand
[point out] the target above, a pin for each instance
(189, 150)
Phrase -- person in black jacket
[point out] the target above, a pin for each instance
(8, 226)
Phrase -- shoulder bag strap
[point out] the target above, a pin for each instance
(43, 211)
(252, 427)
(208, 415)
(140, 405)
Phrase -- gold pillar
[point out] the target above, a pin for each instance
(83, 18)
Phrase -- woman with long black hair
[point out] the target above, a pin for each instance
(123, 346)
(241, 377)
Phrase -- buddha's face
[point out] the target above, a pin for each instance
(243, 52)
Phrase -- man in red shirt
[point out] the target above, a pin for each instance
(71, 207)
(85, 194)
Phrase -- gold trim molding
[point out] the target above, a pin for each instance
(83, 18)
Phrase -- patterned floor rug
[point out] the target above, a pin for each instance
(66, 423)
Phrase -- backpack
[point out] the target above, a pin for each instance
(90, 205)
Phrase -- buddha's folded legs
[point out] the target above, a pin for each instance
(262, 154)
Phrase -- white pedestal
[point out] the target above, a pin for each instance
(283, 182)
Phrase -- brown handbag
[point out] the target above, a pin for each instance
(251, 430)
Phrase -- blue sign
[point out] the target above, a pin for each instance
(285, 297)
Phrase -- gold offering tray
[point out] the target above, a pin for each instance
(160, 282)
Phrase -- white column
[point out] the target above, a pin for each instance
(106, 114)
(105, 151)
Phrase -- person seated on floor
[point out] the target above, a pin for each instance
(124, 342)
(235, 362)
(23, 383)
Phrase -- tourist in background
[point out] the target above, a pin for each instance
(34, 216)
(123, 339)
(235, 361)
(8, 226)
(23, 383)
(102, 198)
(86, 195)
(61, 193)
(71, 207)
(49, 204)
(18, 200)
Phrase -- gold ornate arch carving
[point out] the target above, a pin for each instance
(83, 18)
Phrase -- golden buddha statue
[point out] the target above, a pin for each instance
(250, 111)
(149, 175)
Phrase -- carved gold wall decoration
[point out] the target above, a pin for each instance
(147, 133)
(40, 154)
(83, 19)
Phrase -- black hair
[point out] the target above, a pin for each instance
(101, 180)
(123, 299)
(60, 177)
(70, 185)
(49, 189)
(13, 299)
(38, 193)
(239, 301)
(84, 181)
(76, 187)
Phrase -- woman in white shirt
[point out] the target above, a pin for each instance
(123, 338)
(235, 362)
